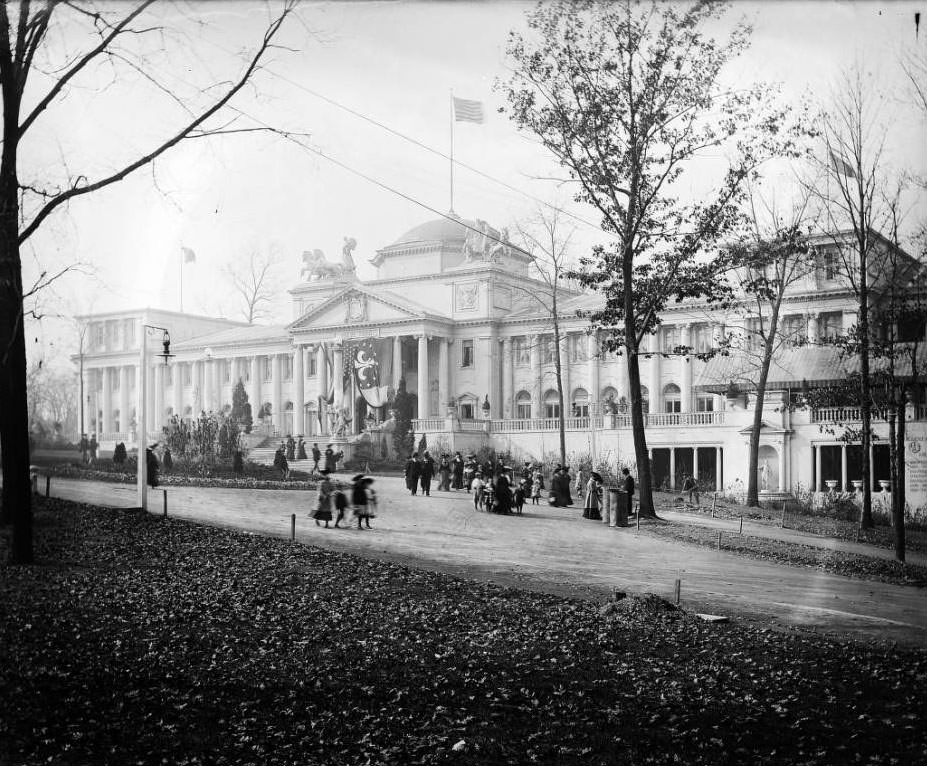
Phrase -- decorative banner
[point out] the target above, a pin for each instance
(371, 360)
(329, 397)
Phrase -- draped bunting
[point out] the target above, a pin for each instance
(371, 362)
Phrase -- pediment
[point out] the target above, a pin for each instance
(766, 429)
(358, 306)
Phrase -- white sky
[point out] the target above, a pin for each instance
(396, 62)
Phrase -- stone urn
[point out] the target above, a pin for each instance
(886, 485)
(831, 485)
(857, 485)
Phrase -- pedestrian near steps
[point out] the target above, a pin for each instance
(360, 499)
(426, 473)
(316, 457)
(323, 502)
(413, 467)
(690, 486)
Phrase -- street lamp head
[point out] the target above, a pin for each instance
(166, 343)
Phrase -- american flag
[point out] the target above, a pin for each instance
(468, 111)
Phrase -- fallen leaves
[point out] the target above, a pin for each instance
(145, 641)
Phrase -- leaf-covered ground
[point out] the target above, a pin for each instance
(784, 552)
(138, 640)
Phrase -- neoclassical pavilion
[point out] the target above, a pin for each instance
(455, 317)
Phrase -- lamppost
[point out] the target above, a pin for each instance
(142, 415)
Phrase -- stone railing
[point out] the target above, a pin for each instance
(429, 425)
(844, 415)
(670, 419)
(510, 425)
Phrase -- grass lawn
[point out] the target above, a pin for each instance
(137, 640)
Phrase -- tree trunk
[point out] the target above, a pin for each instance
(642, 457)
(753, 495)
(559, 369)
(866, 403)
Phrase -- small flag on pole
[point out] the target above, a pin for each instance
(468, 111)
(188, 255)
(841, 165)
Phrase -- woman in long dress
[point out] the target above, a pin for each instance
(323, 503)
(593, 497)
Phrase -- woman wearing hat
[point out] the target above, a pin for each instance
(359, 499)
(593, 497)
(323, 503)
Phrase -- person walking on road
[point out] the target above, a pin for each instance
(323, 502)
(426, 472)
(476, 484)
(329, 459)
(280, 461)
(690, 486)
(359, 500)
(537, 484)
(593, 497)
(444, 471)
(413, 467)
(316, 457)
(457, 467)
(94, 445)
(341, 502)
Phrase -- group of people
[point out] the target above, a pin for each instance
(359, 499)
(292, 450)
(592, 504)
(88, 448)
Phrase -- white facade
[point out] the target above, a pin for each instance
(465, 330)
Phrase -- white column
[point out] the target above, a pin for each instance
(813, 328)
(782, 484)
(818, 484)
(423, 376)
(595, 393)
(276, 401)
(686, 370)
(843, 468)
(397, 360)
(565, 376)
(177, 380)
(508, 379)
(255, 393)
(299, 390)
(123, 398)
(443, 377)
(656, 393)
(672, 476)
(208, 377)
(158, 421)
(718, 456)
(338, 374)
(106, 424)
(537, 389)
(695, 463)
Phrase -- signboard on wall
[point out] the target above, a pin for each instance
(915, 463)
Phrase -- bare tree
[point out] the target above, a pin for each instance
(256, 284)
(852, 178)
(542, 237)
(778, 257)
(36, 75)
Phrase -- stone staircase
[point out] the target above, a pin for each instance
(265, 456)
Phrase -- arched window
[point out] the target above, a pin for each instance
(580, 403)
(523, 405)
(672, 398)
(645, 400)
(551, 404)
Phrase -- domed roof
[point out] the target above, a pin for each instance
(440, 229)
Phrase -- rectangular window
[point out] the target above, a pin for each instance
(99, 336)
(466, 411)
(672, 405)
(700, 338)
(312, 366)
(129, 334)
(830, 325)
(578, 346)
(112, 333)
(265, 369)
(288, 367)
(705, 404)
(794, 328)
(466, 353)
(670, 338)
(580, 409)
(187, 373)
(830, 264)
(521, 352)
(523, 410)
(552, 409)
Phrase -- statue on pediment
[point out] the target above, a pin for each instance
(347, 259)
(316, 266)
(500, 248)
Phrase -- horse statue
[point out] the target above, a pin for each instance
(315, 265)
(501, 248)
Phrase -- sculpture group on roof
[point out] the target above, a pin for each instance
(317, 267)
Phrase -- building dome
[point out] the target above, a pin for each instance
(438, 230)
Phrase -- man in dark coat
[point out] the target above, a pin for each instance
(426, 472)
(301, 449)
(316, 457)
(151, 463)
(413, 468)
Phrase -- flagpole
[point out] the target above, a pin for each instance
(181, 278)
(452, 151)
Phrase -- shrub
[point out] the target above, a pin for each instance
(119, 454)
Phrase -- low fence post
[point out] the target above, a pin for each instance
(719, 541)
(677, 590)
(164, 491)
(741, 523)
(292, 527)
(48, 485)
(714, 501)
